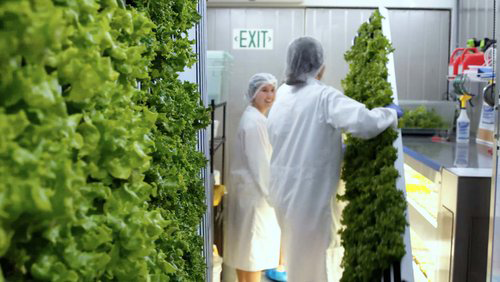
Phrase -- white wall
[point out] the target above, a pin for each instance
(476, 20)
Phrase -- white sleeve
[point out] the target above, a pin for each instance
(258, 154)
(349, 115)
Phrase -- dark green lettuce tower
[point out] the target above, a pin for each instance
(374, 218)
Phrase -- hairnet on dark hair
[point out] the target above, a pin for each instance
(257, 81)
(304, 60)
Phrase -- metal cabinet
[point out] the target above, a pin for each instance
(449, 218)
(463, 221)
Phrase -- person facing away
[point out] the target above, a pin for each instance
(305, 126)
(252, 234)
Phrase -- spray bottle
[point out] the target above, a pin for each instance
(463, 122)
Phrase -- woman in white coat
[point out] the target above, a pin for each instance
(305, 126)
(252, 237)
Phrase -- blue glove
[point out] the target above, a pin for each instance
(398, 109)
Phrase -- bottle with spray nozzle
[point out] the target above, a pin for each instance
(463, 122)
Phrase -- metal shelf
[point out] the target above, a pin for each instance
(218, 142)
(424, 214)
(215, 106)
(473, 78)
(419, 275)
(481, 79)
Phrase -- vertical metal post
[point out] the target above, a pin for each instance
(224, 144)
(212, 137)
(197, 74)
(387, 275)
(397, 271)
(494, 230)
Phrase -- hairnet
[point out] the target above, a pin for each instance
(257, 81)
(304, 60)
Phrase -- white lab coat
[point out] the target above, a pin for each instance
(305, 126)
(252, 234)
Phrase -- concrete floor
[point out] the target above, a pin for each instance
(229, 275)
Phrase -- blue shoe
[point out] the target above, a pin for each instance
(276, 275)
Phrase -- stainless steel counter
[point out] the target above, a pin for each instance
(464, 160)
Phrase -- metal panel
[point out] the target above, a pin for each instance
(475, 20)
(335, 28)
(421, 40)
(420, 37)
(466, 198)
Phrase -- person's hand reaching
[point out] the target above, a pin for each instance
(397, 108)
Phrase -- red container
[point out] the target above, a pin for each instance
(453, 65)
(457, 58)
(470, 59)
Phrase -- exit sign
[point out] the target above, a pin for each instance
(259, 39)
